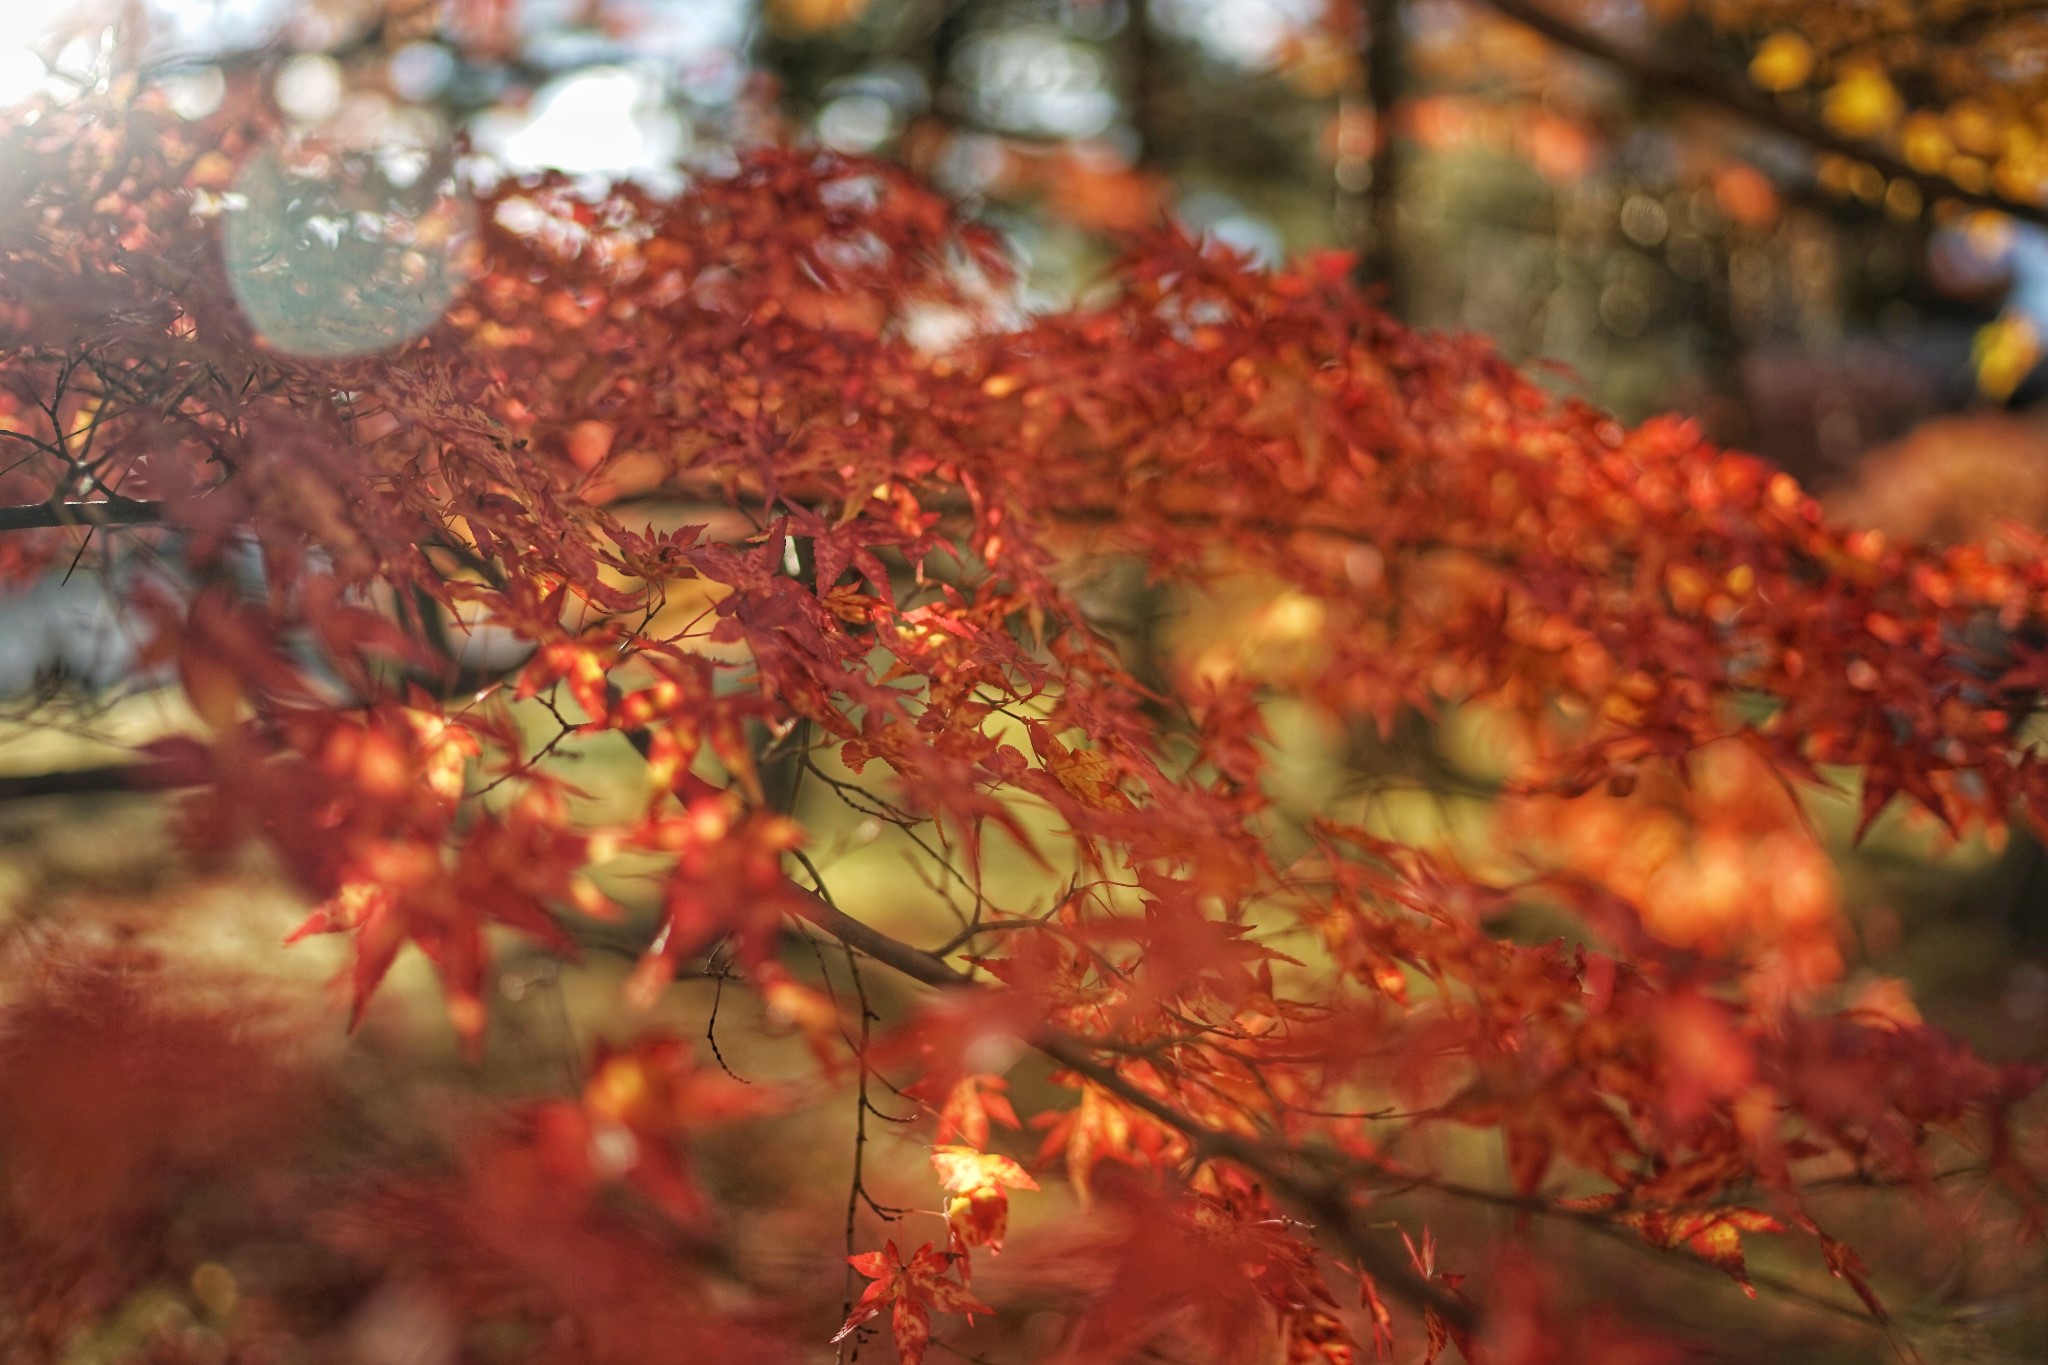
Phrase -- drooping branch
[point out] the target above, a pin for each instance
(1323, 1200)
(1657, 73)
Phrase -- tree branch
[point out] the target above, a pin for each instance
(157, 771)
(1325, 1200)
(122, 777)
(1752, 106)
(36, 516)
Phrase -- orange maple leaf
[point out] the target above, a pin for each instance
(979, 1212)
(910, 1290)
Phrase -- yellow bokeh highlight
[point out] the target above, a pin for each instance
(1925, 143)
(1784, 62)
(1863, 103)
(2003, 353)
(1974, 127)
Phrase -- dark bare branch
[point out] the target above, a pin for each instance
(42, 516)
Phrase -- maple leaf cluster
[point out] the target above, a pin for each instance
(1267, 1038)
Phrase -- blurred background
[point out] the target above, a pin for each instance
(1654, 247)
(1665, 253)
(1575, 201)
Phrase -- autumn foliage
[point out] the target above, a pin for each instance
(1234, 1058)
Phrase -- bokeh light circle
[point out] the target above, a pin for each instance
(344, 254)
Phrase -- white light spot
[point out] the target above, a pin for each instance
(1248, 34)
(613, 1150)
(309, 88)
(420, 71)
(195, 94)
(856, 123)
(21, 75)
(1033, 79)
(608, 120)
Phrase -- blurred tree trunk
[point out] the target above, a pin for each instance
(1384, 61)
